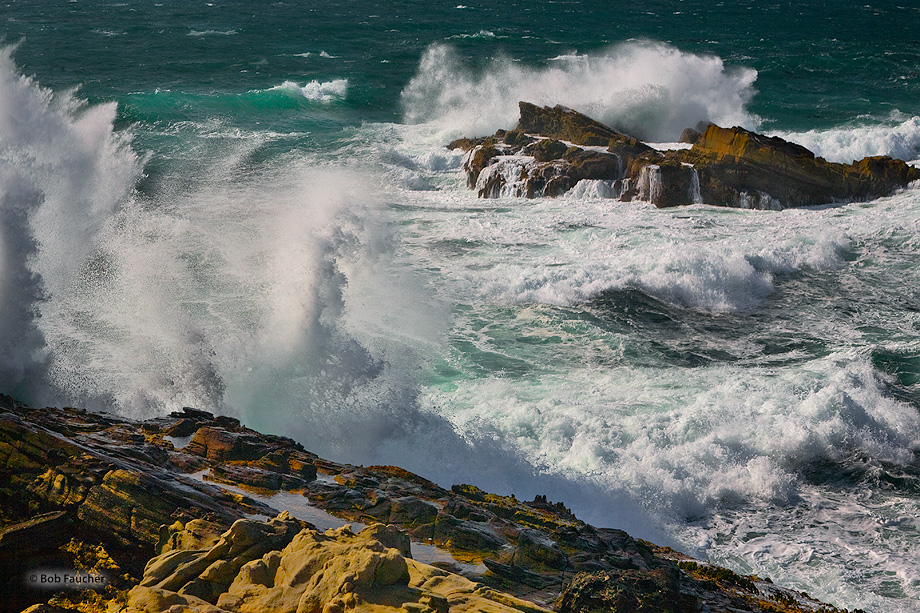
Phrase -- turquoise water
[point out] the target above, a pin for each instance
(248, 208)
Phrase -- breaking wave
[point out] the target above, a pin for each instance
(899, 140)
(647, 89)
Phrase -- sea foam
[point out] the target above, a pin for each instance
(650, 90)
(322, 91)
(898, 139)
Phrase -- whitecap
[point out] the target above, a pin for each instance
(322, 91)
(212, 33)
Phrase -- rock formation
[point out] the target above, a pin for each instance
(283, 567)
(553, 149)
(168, 511)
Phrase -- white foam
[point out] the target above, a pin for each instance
(703, 273)
(588, 189)
(669, 146)
(650, 90)
(898, 140)
(691, 441)
(212, 33)
(481, 34)
(322, 91)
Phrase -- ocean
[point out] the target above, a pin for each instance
(248, 208)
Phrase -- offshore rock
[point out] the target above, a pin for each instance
(738, 167)
(553, 149)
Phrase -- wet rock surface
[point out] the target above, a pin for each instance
(189, 527)
(552, 149)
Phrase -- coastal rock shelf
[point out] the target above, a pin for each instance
(156, 507)
(555, 149)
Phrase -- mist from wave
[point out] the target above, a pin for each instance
(647, 89)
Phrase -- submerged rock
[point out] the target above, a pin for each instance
(554, 148)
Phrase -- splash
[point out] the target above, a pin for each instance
(64, 171)
(650, 90)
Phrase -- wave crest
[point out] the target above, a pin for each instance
(901, 141)
(321, 91)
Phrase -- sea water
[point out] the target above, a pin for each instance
(248, 208)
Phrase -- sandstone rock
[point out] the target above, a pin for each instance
(129, 508)
(689, 135)
(535, 548)
(98, 470)
(46, 608)
(288, 462)
(220, 444)
(635, 591)
(308, 572)
(410, 511)
(195, 534)
(182, 428)
(247, 476)
(548, 149)
(207, 573)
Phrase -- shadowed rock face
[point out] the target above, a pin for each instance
(73, 482)
(553, 148)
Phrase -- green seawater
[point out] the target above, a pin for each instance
(248, 208)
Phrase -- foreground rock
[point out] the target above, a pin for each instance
(554, 150)
(283, 567)
(163, 509)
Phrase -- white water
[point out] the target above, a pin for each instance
(899, 137)
(378, 312)
(650, 90)
(720, 452)
(325, 91)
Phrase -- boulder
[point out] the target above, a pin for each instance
(563, 123)
(195, 534)
(738, 167)
(216, 443)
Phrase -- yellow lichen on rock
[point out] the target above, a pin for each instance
(267, 566)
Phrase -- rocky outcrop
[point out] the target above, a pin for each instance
(165, 507)
(739, 168)
(554, 148)
(280, 566)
